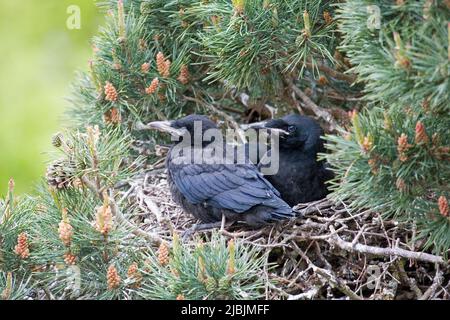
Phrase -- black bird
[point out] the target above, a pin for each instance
(209, 191)
(301, 177)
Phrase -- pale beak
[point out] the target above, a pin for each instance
(166, 126)
(262, 125)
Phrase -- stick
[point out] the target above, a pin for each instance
(318, 111)
(396, 252)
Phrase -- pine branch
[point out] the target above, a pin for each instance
(154, 238)
(386, 252)
(310, 105)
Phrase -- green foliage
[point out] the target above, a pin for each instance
(395, 157)
(210, 270)
(254, 50)
(13, 289)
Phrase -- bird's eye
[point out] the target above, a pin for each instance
(291, 128)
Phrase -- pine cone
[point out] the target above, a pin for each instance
(163, 254)
(184, 75)
(152, 87)
(61, 173)
(163, 65)
(110, 92)
(112, 278)
(145, 67)
(134, 274)
(22, 249)
(402, 147)
(180, 297)
(421, 135)
(65, 231)
(70, 259)
(104, 219)
(112, 116)
(210, 284)
(57, 140)
(443, 206)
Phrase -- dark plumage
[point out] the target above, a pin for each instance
(210, 190)
(301, 177)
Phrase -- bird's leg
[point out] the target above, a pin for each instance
(222, 224)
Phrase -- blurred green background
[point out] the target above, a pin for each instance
(39, 57)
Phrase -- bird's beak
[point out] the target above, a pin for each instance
(263, 125)
(166, 126)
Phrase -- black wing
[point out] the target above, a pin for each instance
(236, 187)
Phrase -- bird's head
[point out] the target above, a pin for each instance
(296, 132)
(180, 127)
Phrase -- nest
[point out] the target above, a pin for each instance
(330, 252)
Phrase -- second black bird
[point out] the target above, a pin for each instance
(301, 177)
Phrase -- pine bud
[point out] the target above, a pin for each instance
(306, 22)
(145, 67)
(163, 65)
(152, 87)
(231, 266)
(112, 278)
(238, 6)
(421, 135)
(367, 143)
(110, 92)
(70, 259)
(402, 147)
(6, 293)
(134, 274)
(400, 56)
(443, 206)
(327, 17)
(112, 116)
(22, 249)
(121, 18)
(163, 254)
(132, 269)
(184, 74)
(65, 230)
(201, 276)
(104, 219)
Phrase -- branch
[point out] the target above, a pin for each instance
(310, 105)
(222, 114)
(387, 252)
(335, 74)
(154, 238)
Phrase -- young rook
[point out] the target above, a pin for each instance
(213, 188)
(301, 177)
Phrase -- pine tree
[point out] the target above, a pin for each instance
(237, 61)
(395, 156)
